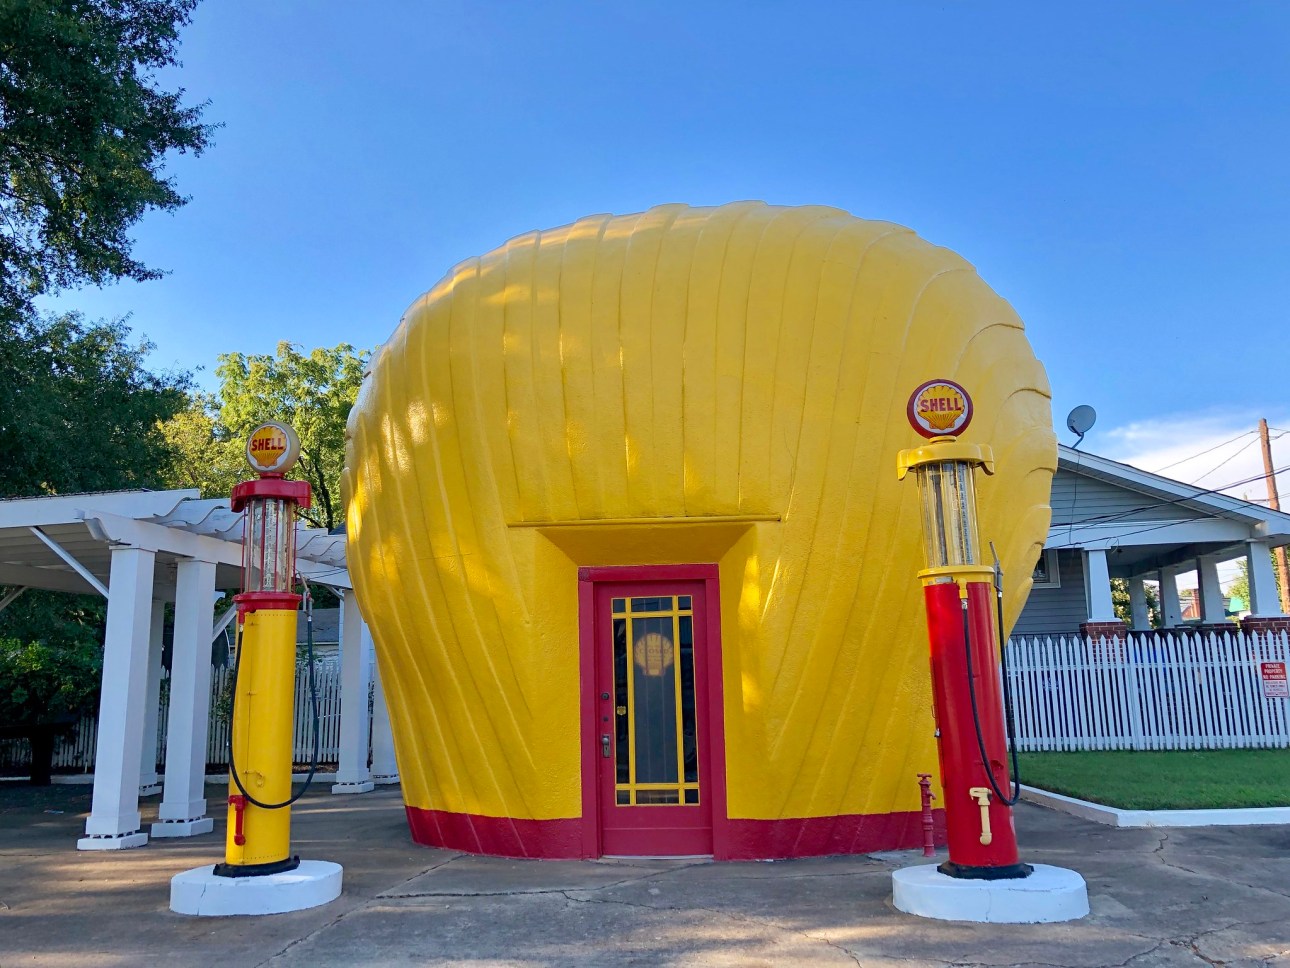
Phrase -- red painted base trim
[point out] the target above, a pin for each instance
(820, 836)
(747, 839)
(499, 836)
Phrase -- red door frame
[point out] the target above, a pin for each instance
(587, 579)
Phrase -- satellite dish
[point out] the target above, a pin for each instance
(1080, 420)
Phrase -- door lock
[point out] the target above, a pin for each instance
(604, 745)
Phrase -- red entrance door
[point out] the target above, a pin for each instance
(655, 770)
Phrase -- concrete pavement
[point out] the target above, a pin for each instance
(1184, 897)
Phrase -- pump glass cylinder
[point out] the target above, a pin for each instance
(269, 547)
(947, 491)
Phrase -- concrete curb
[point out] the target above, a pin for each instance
(1115, 817)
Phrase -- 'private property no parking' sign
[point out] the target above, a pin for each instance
(1274, 680)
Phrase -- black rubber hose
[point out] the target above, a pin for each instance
(1008, 718)
(313, 701)
(976, 721)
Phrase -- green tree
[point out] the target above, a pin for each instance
(313, 392)
(202, 452)
(1240, 587)
(84, 131)
(79, 409)
(52, 647)
(1124, 611)
(51, 659)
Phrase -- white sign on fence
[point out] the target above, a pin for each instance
(1274, 680)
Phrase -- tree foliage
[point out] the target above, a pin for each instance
(313, 391)
(79, 409)
(51, 657)
(84, 131)
(201, 451)
(1123, 608)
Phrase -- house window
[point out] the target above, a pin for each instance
(1046, 574)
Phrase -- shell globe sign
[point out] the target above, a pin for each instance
(624, 524)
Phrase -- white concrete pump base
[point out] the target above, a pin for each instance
(1049, 894)
(200, 892)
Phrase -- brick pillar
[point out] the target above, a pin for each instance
(1115, 629)
(1254, 624)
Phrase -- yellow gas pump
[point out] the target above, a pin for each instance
(260, 754)
(259, 874)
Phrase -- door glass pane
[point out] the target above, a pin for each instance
(655, 732)
(654, 678)
(621, 707)
(689, 744)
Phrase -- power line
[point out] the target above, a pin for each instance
(1227, 460)
(1204, 452)
(1105, 518)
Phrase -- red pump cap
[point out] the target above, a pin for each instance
(280, 487)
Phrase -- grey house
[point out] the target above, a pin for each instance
(1111, 520)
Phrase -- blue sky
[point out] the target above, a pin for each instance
(1119, 172)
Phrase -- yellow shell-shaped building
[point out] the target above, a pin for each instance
(625, 524)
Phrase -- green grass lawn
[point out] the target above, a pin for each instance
(1171, 779)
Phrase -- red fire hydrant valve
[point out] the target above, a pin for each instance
(929, 826)
(238, 803)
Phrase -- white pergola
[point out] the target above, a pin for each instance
(140, 550)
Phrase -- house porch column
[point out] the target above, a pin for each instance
(1102, 621)
(1213, 616)
(1265, 605)
(1170, 606)
(1138, 609)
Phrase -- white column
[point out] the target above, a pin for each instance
(1139, 612)
(1097, 586)
(1264, 602)
(148, 780)
(352, 775)
(113, 822)
(1170, 607)
(385, 769)
(1211, 595)
(183, 808)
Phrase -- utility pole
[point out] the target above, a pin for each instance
(1274, 502)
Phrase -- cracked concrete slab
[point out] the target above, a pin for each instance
(1160, 899)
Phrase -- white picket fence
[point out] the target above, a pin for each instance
(1147, 692)
(75, 751)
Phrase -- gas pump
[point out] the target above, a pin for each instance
(259, 874)
(963, 598)
(259, 829)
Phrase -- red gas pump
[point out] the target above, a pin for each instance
(962, 598)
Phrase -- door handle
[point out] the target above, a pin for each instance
(982, 796)
(604, 745)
